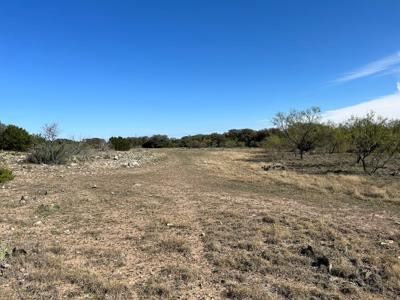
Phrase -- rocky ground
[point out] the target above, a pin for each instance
(196, 224)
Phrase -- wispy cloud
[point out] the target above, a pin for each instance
(386, 106)
(387, 64)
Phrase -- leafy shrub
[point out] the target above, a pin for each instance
(15, 138)
(55, 152)
(157, 141)
(120, 143)
(6, 175)
(375, 140)
(300, 128)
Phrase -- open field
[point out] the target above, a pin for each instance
(199, 224)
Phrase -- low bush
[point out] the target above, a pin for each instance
(55, 152)
(6, 175)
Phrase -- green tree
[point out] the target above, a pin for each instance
(15, 138)
(120, 144)
(375, 140)
(300, 128)
(334, 138)
(158, 141)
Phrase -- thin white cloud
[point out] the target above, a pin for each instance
(387, 63)
(386, 106)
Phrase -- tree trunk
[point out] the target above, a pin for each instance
(301, 154)
(364, 165)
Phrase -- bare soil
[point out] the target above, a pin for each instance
(198, 224)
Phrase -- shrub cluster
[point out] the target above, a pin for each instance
(232, 138)
(120, 143)
(14, 138)
(5, 175)
(54, 152)
(373, 140)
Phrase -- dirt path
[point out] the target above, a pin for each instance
(191, 226)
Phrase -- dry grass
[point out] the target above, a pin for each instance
(312, 175)
(200, 224)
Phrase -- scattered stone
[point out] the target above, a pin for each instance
(116, 157)
(67, 231)
(133, 164)
(38, 223)
(94, 186)
(387, 242)
(5, 266)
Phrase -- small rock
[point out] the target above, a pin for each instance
(170, 224)
(116, 157)
(387, 242)
(5, 266)
(38, 223)
(94, 186)
(67, 231)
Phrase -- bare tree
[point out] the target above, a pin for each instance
(50, 131)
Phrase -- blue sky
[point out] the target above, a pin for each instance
(102, 68)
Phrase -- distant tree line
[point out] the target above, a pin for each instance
(232, 138)
(374, 140)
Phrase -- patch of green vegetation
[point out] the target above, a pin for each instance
(4, 251)
(6, 175)
(47, 209)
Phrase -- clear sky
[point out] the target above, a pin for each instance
(102, 68)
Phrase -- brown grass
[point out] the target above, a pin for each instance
(201, 224)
